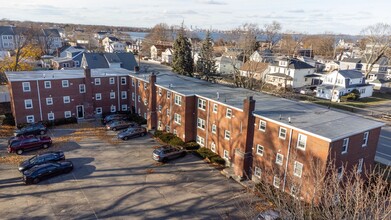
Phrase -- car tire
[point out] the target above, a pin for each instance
(164, 160)
(45, 146)
(183, 154)
(142, 134)
(125, 138)
(68, 170)
(19, 152)
(42, 132)
(114, 129)
(36, 180)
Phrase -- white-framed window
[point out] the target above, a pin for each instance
(282, 133)
(30, 118)
(167, 128)
(66, 99)
(340, 172)
(139, 111)
(124, 107)
(145, 115)
(213, 147)
(26, 87)
(168, 112)
(260, 150)
(214, 128)
(345, 145)
(67, 114)
(138, 83)
(168, 94)
(28, 103)
(177, 118)
(98, 96)
(48, 84)
(124, 94)
(359, 165)
(65, 83)
(226, 154)
(98, 110)
(113, 108)
(112, 95)
(145, 101)
(227, 135)
(279, 159)
(138, 98)
(301, 141)
(97, 81)
(159, 125)
(298, 169)
(175, 132)
(123, 80)
(178, 100)
(200, 140)
(112, 80)
(133, 82)
(365, 139)
(257, 172)
(262, 125)
(133, 96)
(51, 116)
(145, 86)
(214, 108)
(228, 113)
(82, 88)
(160, 91)
(160, 108)
(276, 182)
(201, 123)
(49, 101)
(202, 104)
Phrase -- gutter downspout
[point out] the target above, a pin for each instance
(287, 159)
(39, 101)
(207, 124)
(118, 95)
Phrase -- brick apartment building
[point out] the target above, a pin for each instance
(260, 136)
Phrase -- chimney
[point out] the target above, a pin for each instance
(87, 72)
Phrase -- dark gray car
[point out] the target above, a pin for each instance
(132, 133)
(166, 153)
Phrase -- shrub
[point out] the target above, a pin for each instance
(213, 157)
(176, 141)
(9, 119)
(192, 145)
(158, 134)
(218, 160)
(166, 137)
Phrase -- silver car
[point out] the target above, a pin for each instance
(165, 153)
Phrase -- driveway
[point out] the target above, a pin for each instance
(121, 181)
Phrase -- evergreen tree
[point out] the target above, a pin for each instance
(206, 64)
(182, 60)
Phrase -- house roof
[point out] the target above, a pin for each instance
(51, 32)
(102, 60)
(351, 60)
(281, 75)
(6, 30)
(352, 74)
(294, 63)
(252, 66)
(95, 60)
(113, 38)
(161, 47)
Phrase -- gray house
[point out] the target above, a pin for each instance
(109, 60)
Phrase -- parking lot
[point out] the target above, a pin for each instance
(119, 180)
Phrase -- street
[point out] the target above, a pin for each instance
(383, 153)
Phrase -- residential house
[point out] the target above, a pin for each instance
(253, 69)
(109, 60)
(350, 64)
(331, 65)
(265, 56)
(319, 66)
(62, 63)
(50, 40)
(342, 82)
(7, 38)
(167, 55)
(157, 50)
(100, 35)
(115, 47)
(227, 65)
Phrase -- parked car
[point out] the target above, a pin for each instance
(165, 153)
(34, 129)
(118, 125)
(41, 159)
(27, 144)
(15, 138)
(114, 117)
(132, 133)
(47, 170)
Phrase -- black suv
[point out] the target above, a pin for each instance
(34, 129)
(41, 159)
(44, 171)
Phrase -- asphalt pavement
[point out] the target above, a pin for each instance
(383, 153)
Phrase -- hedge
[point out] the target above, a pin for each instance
(213, 157)
(173, 140)
(191, 145)
(59, 121)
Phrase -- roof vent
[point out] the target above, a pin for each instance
(289, 119)
(218, 95)
(280, 117)
(170, 85)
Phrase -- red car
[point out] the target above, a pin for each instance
(30, 143)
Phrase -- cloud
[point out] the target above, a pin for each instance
(212, 2)
(296, 11)
(180, 12)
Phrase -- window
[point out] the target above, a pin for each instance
(214, 108)
(51, 116)
(279, 159)
(138, 83)
(82, 88)
(168, 112)
(160, 108)
(112, 95)
(168, 94)
(49, 101)
(67, 114)
(145, 102)
(48, 84)
(227, 134)
(228, 114)
(30, 118)
(260, 150)
(226, 154)
(124, 107)
(123, 80)
(65, 83)
(177, 118)
(98, 110)
(160, 91)
(214, 128)
(159, 125)
(97, 81)
(112, 81)
(124, 95)
(133, 83)
(145, 86)
(66, 99)
(133, 96)
(175, 132)
(138, 98)
(201, 123)
(359, 165)
(345, 145)
(276, 182)
(257, 172)
(200, 140)
(301, 141)
(26, 87)
(365, 139)
(113, 108)
(145, 115)
(340, 172)
(282, 133)
(28, 103)
(139, 111)
(167, 128)
(178, 100)
(213, 147)
(298, 169)
(98, 96)
(262, 125)
(201, 104)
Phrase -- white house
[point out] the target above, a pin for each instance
(265, 56)
(253, 69)
(167, 55)
(289, 72)
(342, 82)
(114, 47)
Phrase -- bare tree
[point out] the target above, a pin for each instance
(322, 45)
(290, 43)
(159, 34)
(272, 33)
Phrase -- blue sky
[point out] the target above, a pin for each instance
(305, 16)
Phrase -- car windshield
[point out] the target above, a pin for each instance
(33, 159)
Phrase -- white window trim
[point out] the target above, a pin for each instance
(258, 147)
(279, 133)
(26, 101)
(301, 170)
(98, 96)
(112, 80)
(29, 87)
(201, 124)
(49, 86)
(360, 165)
(366, 137)
(202, 104)
(65, 83)
(97, 81)
(67, 114)
(30, 118)
(80, 88)
(160, 91)
(200, 140)
(213, 147)
(226, 113)
(214, 129)
(65, 100)
(113, 108)
(301, 137)
(278, 155)
(275, 180)
(257, 172)
(340, 175)
(124, 95)
(215, 108)
(225, 135)
(226, 155)
(124, 107)
(49, 102)
(177, 118)
(123, 80)
(112, 95)
(98, 110)
(344, 151)
(260, 127)
(50, 116)
(178, 100)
